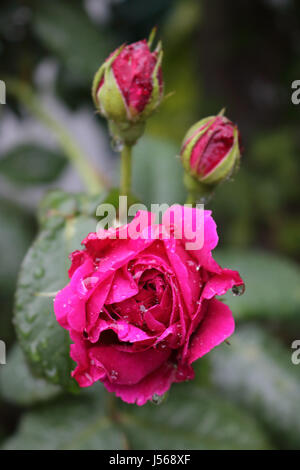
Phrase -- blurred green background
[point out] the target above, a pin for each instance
(239, 55)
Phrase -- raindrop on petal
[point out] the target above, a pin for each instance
(238, 290)
(113, 375)
(157, 399)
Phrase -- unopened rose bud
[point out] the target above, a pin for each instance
(128, 87)
(210, 151)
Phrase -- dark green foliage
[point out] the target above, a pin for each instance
(31, 164)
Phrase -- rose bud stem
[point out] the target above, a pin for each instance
(210, 153)
(197, 192)
(125, 180)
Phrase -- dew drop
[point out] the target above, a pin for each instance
(238, 290)
(31, 316)
(157, 399)
(39, 272)
(117, 144)
(51, 373)
(88, 377)
(89, 282)
(204, 199)
(113, 375)
(24, 284)
(25, 329)
(191, 263)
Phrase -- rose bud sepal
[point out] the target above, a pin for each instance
(123, 133)
(227, 166)
(189, 141)
(106, 92)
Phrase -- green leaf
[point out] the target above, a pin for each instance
(19, 386)
(258, 373)
(30, 164)
(16, 232)
(157, 172)
(192, 418)
(43, 273)
(72, 423)
(272, 284)
(57, 205)
(68, 32)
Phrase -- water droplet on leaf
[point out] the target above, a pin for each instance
(39, 272)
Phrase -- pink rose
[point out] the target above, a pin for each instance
(141, 310)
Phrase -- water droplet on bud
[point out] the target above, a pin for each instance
(117, 144)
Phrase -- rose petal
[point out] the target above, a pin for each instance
(187, 277)
(126, 332)
(220, 283)
(125, 368)
(216, 326)
(158, 382)
(123, 287)
(86, 373)
(77, 259)
(69, 309)
(96, 302)
(202, 238)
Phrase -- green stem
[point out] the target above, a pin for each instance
(93, 181)
(112, 407)
(125, 183)
(197, 192)
(191, 199)
(125, 179)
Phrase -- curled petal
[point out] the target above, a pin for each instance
(158, 382)
(216, 326)
(220, 283)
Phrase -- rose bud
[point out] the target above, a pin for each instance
(128, 87)
(211, 150)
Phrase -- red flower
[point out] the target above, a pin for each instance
(140, 310)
